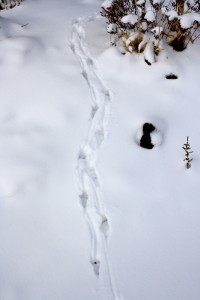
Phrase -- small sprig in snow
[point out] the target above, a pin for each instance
(186, 147)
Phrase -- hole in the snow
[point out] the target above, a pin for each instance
(149, 136)
(171, 76)
(145, 140)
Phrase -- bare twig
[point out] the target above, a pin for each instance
(186, 147)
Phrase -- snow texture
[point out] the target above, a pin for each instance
(187, 20)
(150, 16)
(140, 2)
(107, 4)
(112, 28)
(149, 55)
(87, 171)
(130, 19)
(159, 2)
(156, 137)
(157, 30)
(172, 15)
(85, 212)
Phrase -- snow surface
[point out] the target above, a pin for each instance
(150, 16)
(86, 213)
(107, 4)
(112, 28)
(187, 20)
(171, 14)
(151, 198)
(159, 2)
(157, 30)
(130, 19)
(140, 2)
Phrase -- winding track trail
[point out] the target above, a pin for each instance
(88, 176)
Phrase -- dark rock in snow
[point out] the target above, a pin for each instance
(171, 76)
(145, 141)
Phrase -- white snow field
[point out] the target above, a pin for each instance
(85, 212)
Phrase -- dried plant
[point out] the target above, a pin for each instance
(6, 4)
(153, 21)
(186, 147)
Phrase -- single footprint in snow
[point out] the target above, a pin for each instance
(105, 226)
(82, 154)
(94, 110)
(93, 175)
(90, 61)
(100, 136)
(72, 47)
(84, 74)
(96, 267)
(97, 139)
(107, 94)
(84, 199)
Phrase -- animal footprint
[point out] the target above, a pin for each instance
(96, 267)
(105, 226)
(90, 61)
(84, 199)
(94, 110)
(82, 154)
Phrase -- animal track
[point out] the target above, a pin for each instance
(84, 199)
(86, 163)
(105, 226)
(96, 266)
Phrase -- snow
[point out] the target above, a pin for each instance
(191, 2)
(44, 117)
(107, 4)
(152, 199)
(141, 2)
(157, 30)
(112, 28)
(130, 19)
(156, 137)
(86, 213)
(159, 2)
(150, 16)
(149, 55)
(172, 15)
(187, 20)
